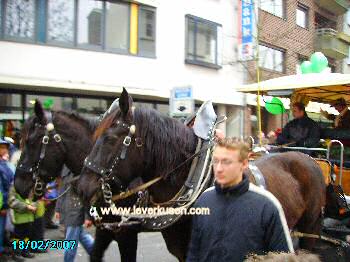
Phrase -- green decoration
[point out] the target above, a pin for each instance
(275, 106)
(48, 103)
(306, 67)
(319, 62)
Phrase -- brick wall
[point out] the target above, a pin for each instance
(296, 41)
(285, 34)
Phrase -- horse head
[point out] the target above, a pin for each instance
(116, 157)
(50, 140)
(42, 155)
(135, 143)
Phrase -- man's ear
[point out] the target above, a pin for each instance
(245, 163)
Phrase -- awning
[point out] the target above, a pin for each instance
(316, 87)
(69, 87)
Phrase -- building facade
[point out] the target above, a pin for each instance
(289, 31)
(80, 53)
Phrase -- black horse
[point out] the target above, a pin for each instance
(141, 142)
(69, 148)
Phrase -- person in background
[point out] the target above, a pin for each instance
(37, 232)
(50, 195)
(301, 131)
(71, 212)
(341, 121)
(22, 212)
(6, 178)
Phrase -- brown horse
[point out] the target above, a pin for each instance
(160, 144)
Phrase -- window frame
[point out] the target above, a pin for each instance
(305, 10)
(139, 51)
(4, 36)
(195, 61)
(41, 13)
(274, 48)
(112, 49)
(61, 43)
(284, 13)
(91, 47)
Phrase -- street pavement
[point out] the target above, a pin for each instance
(151, 247)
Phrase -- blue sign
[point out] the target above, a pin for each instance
(247, 29)
(183, 93)
(181, 101)
(247, 21)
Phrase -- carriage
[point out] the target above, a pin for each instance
(331, 155)
(138, 142)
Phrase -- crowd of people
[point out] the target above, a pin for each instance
(24, 219)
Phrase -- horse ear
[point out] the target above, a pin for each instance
(38, 109)
(125, 103)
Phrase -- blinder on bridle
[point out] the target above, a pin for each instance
(105, 173)
(35, 169)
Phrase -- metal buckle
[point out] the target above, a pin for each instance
(45, 140)
(127, 141)
(57, 138)
(38, 187)
(106, 191)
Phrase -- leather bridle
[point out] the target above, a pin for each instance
(106, 173)
(50, 133)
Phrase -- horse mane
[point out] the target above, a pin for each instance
(25, 132)
(167, 141)
(105, 124)
(90, 123)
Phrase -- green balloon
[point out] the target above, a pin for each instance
(319, 62)
(306, 67)
(275, 106)
(48, 103)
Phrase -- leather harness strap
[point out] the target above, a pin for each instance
(128, 193)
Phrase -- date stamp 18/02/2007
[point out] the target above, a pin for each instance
(44, 244)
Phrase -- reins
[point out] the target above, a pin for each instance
(142, 187)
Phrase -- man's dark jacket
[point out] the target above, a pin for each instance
(241, 222)
(303, 131)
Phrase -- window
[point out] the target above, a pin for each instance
(302, 16)
(275, 7)
(147, 34)
(20, 19)
(117, 26)
(271, 58)
(323, 22)
(90, 23)
(202, 42)
(61, 21)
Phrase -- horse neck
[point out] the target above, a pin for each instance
(77, 140)
(182, 143)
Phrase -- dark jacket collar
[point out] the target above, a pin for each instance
(235, 190)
